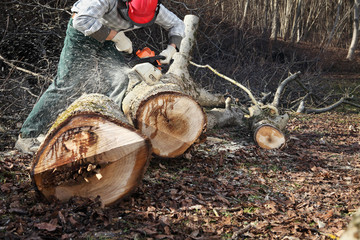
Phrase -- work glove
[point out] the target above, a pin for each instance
(122, 43)
(168, 53)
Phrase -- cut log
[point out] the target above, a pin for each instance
(167, 111)
(172, 120)
(267, 128)
(91, 151)
(269, 137)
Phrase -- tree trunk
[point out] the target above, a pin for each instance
(91, 151)
(169, 112)
(355, 36)
(286, 19)
(275, 25)
(295, 29)
(245, 13)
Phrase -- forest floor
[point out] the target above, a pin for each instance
(225, 187)
(222, 188)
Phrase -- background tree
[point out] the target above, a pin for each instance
(355, 35)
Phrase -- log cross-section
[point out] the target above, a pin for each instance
(173, 121)
(91, 151)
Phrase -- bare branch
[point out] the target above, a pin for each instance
(253, 100)
(22, 69)
(281, 87)
(325, 109)
(352, 104)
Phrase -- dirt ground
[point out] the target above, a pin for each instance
(223, 188)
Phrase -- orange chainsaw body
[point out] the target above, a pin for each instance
(147, 52)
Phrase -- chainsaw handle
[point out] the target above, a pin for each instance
(159, 57)
(153, 60)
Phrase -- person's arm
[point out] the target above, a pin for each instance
(176, 28)
(174, 25)
(111, 35)
(86, 20)
(88, 13)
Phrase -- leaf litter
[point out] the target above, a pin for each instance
(222, 188)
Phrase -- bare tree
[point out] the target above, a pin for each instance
(245, 12)
(286, 19)
(355, 36)
(297, 17)
(275, 26)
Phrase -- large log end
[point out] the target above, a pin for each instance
(90, 155)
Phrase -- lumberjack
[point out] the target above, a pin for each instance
(93, 149)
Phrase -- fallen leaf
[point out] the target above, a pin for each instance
(46, 226)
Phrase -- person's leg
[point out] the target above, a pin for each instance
(85, 66)
(78, 55)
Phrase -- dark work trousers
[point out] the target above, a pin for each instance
(85, 66)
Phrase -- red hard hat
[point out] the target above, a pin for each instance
(142, 11)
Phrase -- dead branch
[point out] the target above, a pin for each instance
(22, 69)
(281, 87)
(325, 109)
(351, 103)
(253, 100)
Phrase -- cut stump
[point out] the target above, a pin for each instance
(91, 151)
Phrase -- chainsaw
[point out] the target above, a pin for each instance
(147, 65)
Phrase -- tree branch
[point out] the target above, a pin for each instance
(22, 69)
(253, 100)
(281, 87)
(325, 109)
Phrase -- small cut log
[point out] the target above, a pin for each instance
(268, 127)
(91, 151)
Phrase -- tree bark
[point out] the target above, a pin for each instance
(91, 151)
(295, 29)
(355, 37)
(275, 25)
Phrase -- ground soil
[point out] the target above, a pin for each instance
(223, 188)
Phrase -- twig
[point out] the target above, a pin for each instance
(253, 100)
(22, 69)
(352, 104)
(185, 6)
(281, 87)
(28, 90)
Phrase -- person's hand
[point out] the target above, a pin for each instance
(168, 53)
(122, 43)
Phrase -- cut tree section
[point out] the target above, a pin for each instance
(269, 137)
(172, 122)
(91, 154)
